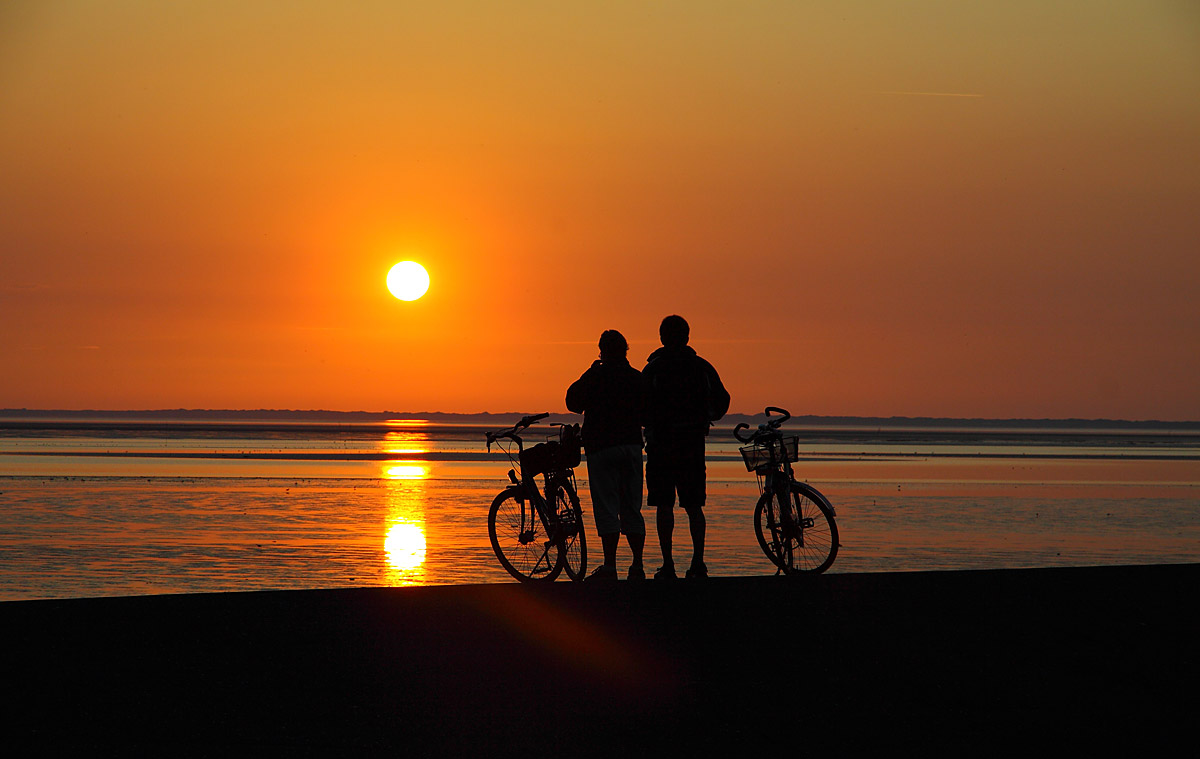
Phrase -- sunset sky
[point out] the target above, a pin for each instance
(863, 208)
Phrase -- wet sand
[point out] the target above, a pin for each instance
(1042, 658)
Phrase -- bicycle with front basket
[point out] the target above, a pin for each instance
(537, 534)
(794, 523)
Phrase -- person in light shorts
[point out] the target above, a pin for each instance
(610, 396)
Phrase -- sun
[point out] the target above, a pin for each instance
(408, 280)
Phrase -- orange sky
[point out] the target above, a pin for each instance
(877, 208)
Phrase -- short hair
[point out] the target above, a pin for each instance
(673, 331)
(612, 343)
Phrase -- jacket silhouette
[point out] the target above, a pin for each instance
(684, 394)
(610, 395)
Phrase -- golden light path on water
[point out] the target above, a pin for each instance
(404, 540)
(405, 443)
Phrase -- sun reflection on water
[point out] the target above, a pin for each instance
(404, 533)
(405, 443)
(405, 547)
(405, 470)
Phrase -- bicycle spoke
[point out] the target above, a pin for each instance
(569, 532)
(797, 535)
(811, 541)
(519, 539)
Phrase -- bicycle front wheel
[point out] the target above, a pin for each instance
(519, 539)
(801, 536)
(572, 544)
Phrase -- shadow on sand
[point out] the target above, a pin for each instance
(1077, 656)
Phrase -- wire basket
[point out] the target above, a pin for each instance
(769, 453)
(553, 455)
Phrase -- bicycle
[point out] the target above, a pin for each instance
(537, 535)
(794, 523)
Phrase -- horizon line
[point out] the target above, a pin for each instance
(419, 414)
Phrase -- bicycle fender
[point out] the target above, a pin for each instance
(517, 491)
(816, 495)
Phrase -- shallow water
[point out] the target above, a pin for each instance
(96, 511)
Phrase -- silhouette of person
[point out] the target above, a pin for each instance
(684, 396)
(610, 397)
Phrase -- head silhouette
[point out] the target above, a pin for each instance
(673, 332)
(613, 345)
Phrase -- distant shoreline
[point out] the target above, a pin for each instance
(460, 456)
(507, 417)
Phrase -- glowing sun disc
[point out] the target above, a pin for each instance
(408, 280)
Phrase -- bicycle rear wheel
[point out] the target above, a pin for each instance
(519, 539)
(801, 538)
(573, 547)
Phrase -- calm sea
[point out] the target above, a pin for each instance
(95, 508)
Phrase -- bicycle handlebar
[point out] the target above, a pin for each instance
(742, 425)
(770, 426)
(512, 431)
(777, 410)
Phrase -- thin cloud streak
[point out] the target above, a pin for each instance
(934, 94)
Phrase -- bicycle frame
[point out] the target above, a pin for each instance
(545, 517)
(526, 493)
(793, 535)
(526, 489)
(779, 486)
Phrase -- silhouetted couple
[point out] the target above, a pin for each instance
(676, 397)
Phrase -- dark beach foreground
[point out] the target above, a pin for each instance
(1046, 657)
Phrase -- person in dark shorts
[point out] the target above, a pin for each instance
(684, 395)
(610, 397)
